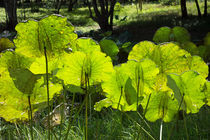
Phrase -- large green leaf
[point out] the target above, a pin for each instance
(207, 39)
(116, 89)
(160, 106)
(169, 58)
(162, 35)
(166, 34)
(96, 65)
(39, 67)
(190, 47)
(196, 63)
(121, 89)
(207, 92)
(109, 47)
(5, 43)
(181, 35)
(204, 52)
(52, 32)
(188, 90)
(87, 45)
(142, 74)
(142, 50)
(17, 83)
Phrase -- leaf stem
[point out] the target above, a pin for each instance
(120, 97)
(30, 117)
(86, 105)
(185, 126)
(161, 130)
(69, 125)
(48, 94)
(147, 104)
(138, 83)
(172, 128)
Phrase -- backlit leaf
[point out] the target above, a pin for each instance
(95, 65)
(109, 47)
(162, 35)
(17, 83)
(190, 87)
(87, 45)
(52, 32)
(160, 106)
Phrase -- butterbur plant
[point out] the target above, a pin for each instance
(45, 40)
(167, 78)
(163, 79)
(82, 70)
(22, 92)
(204, 49)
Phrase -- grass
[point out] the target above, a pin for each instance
(114, 125)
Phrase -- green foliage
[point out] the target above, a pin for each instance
(109, 47)
(204, 50)
(5, 43)
(188, 90)
(96, 65)
(163, 79)
(207, 92)
(166, 34)
(161, 106)
(190, 47)
(17, 83)
(86, 45)
(122, 89)
(207, 39)
(169, 2)
(163, 34)
(53, 32)
(146, 74)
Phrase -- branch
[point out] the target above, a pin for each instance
(91, 14)
(96, 8)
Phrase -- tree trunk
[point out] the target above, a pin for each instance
(184, 9)
(11, 13)
(38, 1)
(27, 1)
(71, 5)
(104, 10)
(140, 4)
(57, 4)
(205, 8)
(198, 8)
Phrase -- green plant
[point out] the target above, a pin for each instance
(160, 80)
(204, 49)
(109, 47)
(159, 97)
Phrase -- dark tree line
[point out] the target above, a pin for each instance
(101, 11)
(184, 8)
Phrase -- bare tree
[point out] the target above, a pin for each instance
(71, 4)
(198, 8)
(104, 11)
(184, 9)
(11, 13)
(205, 8)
